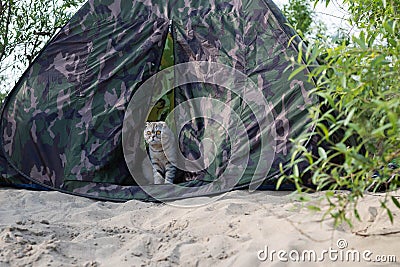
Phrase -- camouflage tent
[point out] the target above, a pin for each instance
(63, 124)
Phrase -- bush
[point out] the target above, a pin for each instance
(358, 83)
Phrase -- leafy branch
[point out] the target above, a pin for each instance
(358, 121)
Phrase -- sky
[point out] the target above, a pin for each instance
(333, 16)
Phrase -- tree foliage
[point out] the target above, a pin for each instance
(358, 84)
(25, 27)
(299, 14)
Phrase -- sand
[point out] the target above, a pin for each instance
(239, 229)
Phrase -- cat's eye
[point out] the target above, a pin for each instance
(158, 132)
(148, 132)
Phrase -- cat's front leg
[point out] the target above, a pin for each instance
(158, 178)
(170, 172)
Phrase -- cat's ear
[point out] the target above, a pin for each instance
(147, 124)
(162, 124)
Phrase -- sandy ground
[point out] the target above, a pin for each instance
(240, 229)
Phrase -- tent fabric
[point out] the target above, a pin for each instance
(62, 123)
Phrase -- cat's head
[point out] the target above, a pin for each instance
(153, 132)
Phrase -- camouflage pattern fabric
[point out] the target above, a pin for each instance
(61, 125)
(164, 105)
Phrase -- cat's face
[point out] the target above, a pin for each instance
(152, 132)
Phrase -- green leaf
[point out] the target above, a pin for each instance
(279, 182)
(296, 172)
(357, 214)
(360, 41)
(343, 81)
(383, 205)
(324, 130)
(388, 25)
(313, 208)
(348, 118)
(300, 55)
(390, 215)
(327, 97)
(380, 130)
(315, 53)
(303, 197)
(379, 60)
(396, 202)
(322, 153)
(341, 147)
(329, 194)
(297, 71)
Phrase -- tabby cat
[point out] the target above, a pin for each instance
(162, 152)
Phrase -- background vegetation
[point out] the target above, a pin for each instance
(359, 84)
(25, 27)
